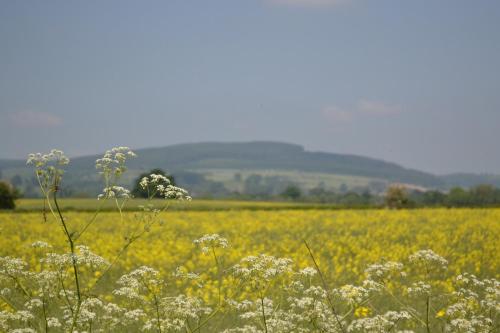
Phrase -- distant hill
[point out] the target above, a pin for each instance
(212, 158)
(470, 179)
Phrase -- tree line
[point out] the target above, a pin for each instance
(277, 188)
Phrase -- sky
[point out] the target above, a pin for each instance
(415, 82)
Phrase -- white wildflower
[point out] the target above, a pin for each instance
(382, 271)
(209, 242)
(428, 258)
(40, 245)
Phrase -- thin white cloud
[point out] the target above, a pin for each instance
(34, 119)
(337, 115)
(377, 108)
(309, 3)
(362, 109)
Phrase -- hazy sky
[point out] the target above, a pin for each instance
(415, 82)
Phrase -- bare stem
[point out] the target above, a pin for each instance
(325, 286)
(263, 312)
(427, 312)
(73, 259)
(219, 277)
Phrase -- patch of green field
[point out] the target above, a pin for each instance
(86, 204)
(306, 180)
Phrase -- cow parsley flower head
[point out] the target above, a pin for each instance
(308, 272)
(55, 157)
(174, 192)
(12, 266)
(183, 273)
(34, 303)
(352, 294)
(429, 259)
(53, 322)
(261, 269)
(138, 282)
(160, 185)
(379, 323)
(82, 256)
(114, 192)
(213, 241)
(419, 288)
(40, 245)
(382, 271)
(48, 168)
(113, 161)
(154, 180)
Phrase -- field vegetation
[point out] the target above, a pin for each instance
(241, 270)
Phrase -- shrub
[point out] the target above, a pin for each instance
(8, 195)
(397, 197)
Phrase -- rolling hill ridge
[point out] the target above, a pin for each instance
(212, 158)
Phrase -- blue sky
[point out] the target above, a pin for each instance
(414, 82)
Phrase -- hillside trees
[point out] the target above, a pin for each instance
(292, 192)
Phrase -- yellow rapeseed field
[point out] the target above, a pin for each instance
(286, 269)
(344, 241)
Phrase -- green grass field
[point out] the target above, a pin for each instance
(86, 204)
(306, 180)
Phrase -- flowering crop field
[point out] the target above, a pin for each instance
(240, 270)
(344, 243)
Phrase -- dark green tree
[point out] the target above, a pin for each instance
(8, 195)
(139, 192)
(292, 192)
(483, 195)
(433, 198)
(458, 197)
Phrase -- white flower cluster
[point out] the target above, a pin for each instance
(154, 180)
(174, 192)
(112, 166)
(48, 169)
(40, 160)
(261, 268)
(114, 192)
(7, 319)
(308, 272)
(312, 307)
(419, 288)
(383, 271)
(113, 161)
(301, 313)
(135, 284)
(12, 267)
(380, 323)
(474, 298)
(182, 273)
(40, 245)
(429, 259)
(176, 311)
(209, 242)
(83, 257)
(159, 184)
(253, 311)
(352, 294)
(475, 324)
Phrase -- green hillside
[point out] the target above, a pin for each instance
(215, 166)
